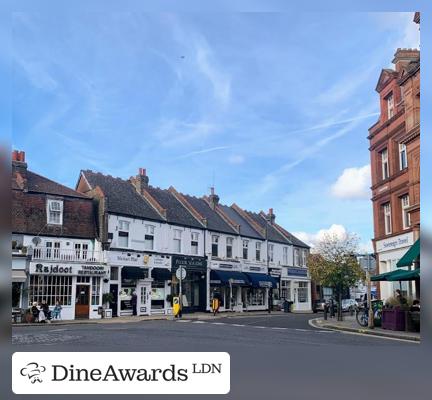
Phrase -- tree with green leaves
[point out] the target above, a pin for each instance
(333, 264)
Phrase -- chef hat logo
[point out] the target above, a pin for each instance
(33, 370)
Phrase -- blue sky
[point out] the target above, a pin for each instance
(273, 108)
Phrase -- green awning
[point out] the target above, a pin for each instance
(398, 275)
(404, 275)
(410, 256)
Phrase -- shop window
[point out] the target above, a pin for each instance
(51, 288)
(406, 219)
(403, 161)
(258, 251)
(271, 252)
(55, 212)
(114, 273)
(285, 256)
(245, 249)
(387, 218)
(95, 287)
(286, 289)
(302, 292)
(229, 247)
(177, 241)
(149, 237)
(194, 242)
(384, 164)
(215, 245)
(16, 294)
(83, 279)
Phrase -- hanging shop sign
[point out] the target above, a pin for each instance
(67, 269)
(275, 272)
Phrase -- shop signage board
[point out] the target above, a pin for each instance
(157, 261)
(297, 271)
(67, 269)
(396, 242)
(247, 267)
(188, 262)
(127, 258)
(275, 272)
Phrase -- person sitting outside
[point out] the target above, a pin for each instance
(56, 313)
(415, 306)
(46, 310)
(35, 312)
(400, 298)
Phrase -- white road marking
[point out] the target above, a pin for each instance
(199, 322)
(279, 328)
(303, 330)
(183, 320)
(237, 325)
(259, 327)
(219, 323)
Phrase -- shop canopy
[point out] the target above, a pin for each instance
(261, 280)
(224, 278)
(410, 256)
(161, 274)
(19, 275)
(133, 273)
(398, 275)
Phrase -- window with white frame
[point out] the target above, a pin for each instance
(296, 257)
(387, 218)
(302, 292)
(304, 257)
(258, 251)
(95, 287)
(406, 219)
(177, 240)
(384, 164)
(271, 252)
(149, 237)
(50, 288)
(286, 289)
(285, 255)
(194, 242)
(123, 234)
(245, 249)
(390, 106)
(403, 161)
(54, 212)
(215, 245)
(229, 247)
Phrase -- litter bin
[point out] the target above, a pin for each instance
(287, 306)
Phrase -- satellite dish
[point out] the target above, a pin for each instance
(36, 240)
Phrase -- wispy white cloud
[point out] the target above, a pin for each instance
(203, 151)
(236, 159)
(313, 238)
(353, 183)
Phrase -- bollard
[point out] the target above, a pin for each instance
(325, 312)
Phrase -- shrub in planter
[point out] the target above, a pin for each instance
(107, 298)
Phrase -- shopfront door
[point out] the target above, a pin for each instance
(144, 298)
(82, 301)
(114, 304)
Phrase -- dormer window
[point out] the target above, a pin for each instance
(55, 212)
(390, 105)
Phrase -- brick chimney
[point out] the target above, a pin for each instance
(271, 216)
(19, 168)
(403, 57)
(140, 181)
(213, 198)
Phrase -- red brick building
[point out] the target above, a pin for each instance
(395, 164)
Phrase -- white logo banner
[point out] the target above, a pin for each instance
(120, 373)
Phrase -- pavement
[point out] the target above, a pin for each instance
(350, 324)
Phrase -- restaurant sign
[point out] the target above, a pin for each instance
(127, 258)
(67, 269)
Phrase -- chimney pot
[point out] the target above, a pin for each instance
(22, 156)
(15, 155)
(142, 171)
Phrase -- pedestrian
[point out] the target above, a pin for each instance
(134, 300)
(56, 313)
(46, 310)
(400, 298)
(215, 303)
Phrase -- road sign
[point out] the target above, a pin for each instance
(181, 273)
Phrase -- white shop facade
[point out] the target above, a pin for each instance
(76, 287)
(128, 274)
(389, 252)
(240, 286)
(161, 279)
(295, 286)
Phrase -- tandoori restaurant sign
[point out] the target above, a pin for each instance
(67, 269)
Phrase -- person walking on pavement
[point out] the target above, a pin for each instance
(134, 301)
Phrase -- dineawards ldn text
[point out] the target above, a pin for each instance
(113, 374)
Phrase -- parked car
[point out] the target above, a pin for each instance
(349, 304)
(319, 305)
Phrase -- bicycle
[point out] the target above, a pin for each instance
(362, 315)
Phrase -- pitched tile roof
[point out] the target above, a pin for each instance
(272, 233)
(214, 221)
(122, 196)
(175, 212)
(295, 241)
(245, 228)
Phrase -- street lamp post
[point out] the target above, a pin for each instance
(369, 297)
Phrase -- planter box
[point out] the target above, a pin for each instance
(393, 319)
